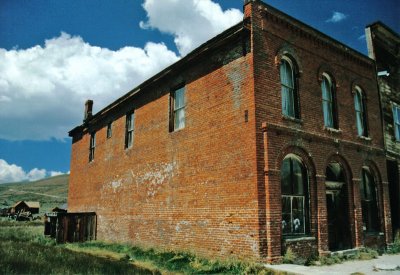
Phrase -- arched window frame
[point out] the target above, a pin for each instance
(295, 203)
(361, 112)
(329, 106)
(369, 200)
(289, 88)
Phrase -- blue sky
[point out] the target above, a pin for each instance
(56, 54)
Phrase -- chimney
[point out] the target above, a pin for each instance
(88, 110)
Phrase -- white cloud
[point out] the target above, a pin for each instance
(43, 89)
(361, 37)
(56, 173)
(15, 173)
(336, 17)
(191, 22)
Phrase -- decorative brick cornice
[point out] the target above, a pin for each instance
(316, 37)
(310, 136)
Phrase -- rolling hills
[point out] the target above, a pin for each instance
(50, 192)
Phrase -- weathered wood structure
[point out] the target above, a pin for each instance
(71, 227)
(25, 206)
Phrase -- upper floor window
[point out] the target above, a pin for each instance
(129, 129)
(178, 103)
(328, 102)
(369, 202)
(290, 100)
(294, 186)
(396, 122)
(361, 114)
(92, 146)
(109, 129)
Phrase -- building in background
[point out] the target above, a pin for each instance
(384, 47)
(266, 137)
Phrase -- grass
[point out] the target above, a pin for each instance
(24, 250)
(395, 247)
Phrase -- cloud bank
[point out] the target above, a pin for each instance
(191, 22)
(336, 17)
(15, 173)
(43, 88)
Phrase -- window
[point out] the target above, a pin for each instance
(178, 102)
(129, 129)
(294, 196)
(369, 202)
(109, 129)
(396, 122)
(289, 92)
(361, 115)
(92, 146)
(328, 102)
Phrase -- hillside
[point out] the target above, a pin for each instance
(50, 192)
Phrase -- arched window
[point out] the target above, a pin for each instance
(361, 114)
(328, 102)
(294, 196)
(290, 104)
(369, 201)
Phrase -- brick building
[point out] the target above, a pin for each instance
(384, 47)
(267, 136)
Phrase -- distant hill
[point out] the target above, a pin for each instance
(50, 192)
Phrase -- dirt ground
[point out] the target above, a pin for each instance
(381, 266)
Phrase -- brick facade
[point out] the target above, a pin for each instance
(214, 187)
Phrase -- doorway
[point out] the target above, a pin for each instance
(337, 205)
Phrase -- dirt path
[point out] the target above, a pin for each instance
(40, 194)
(368, 267)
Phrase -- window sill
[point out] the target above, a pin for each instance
(373, 233)
(298, 239)
(332, 130)
(364, 138)
(292, 119)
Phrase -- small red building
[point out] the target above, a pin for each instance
(267, 136)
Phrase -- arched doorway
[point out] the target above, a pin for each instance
(337, 207)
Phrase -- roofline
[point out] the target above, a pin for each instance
(380, 23)
(215, 41)
(318, 33)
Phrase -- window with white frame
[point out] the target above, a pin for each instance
(396, 122)
(328, 102)
(178, 104)
(129, 129)
(92, 146)
(289, 95)
(294, 190)
(361, 114)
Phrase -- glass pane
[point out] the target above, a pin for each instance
(179, 98)
(326, 90)
(298, 215)
(357, 102)
(327, 108)
(297, 177)
(286, 215)
(397, 115)
(285, 177)
(130, 139)
(285, 100)
(360, 127)
(131, 122)
(179, 119)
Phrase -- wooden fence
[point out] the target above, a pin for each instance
(71, 227)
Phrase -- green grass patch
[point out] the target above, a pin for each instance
(168, 261)
(24, 250)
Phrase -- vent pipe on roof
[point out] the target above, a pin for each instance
(88, 110)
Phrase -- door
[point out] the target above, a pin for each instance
(338, 224)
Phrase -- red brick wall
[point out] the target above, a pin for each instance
(193, 189)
